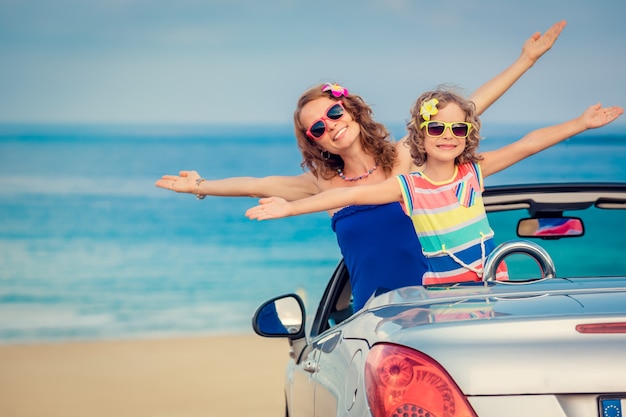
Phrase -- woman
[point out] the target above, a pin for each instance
(344, 146)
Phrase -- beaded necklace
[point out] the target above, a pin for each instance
(360, 177)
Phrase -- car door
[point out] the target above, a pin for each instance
(309, 398)
(328, 359)
(302, 385)
(306, 370)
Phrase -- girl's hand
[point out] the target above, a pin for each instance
(596, 116)
(185, 182)
(270, 208)
(539, 44)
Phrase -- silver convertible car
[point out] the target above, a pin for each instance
(549, 342)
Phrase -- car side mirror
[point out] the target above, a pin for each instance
(280, 317)
(550, 227)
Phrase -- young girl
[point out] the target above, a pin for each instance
(443, 192)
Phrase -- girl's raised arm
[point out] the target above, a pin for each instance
(384, 192)
(536, 141)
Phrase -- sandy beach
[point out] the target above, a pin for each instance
(206, 376)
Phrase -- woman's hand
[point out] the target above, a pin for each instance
(532, 50)
(270, 208)
(184, 182)
(539, 44)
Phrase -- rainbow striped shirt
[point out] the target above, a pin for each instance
(451, 223)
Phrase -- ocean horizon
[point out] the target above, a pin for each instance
(90, 249)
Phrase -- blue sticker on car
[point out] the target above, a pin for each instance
(612, 407)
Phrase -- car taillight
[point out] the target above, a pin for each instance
(404, 382)
(619, 327)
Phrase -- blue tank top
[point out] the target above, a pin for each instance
(380, 249)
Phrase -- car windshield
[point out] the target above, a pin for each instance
(598, 252)
(594, 156)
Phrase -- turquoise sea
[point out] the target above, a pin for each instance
(90, 249)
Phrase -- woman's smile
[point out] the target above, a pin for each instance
(340, 133)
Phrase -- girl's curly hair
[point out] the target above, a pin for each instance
(374, 136)
(416, 136)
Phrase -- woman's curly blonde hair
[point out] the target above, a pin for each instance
(445, 96)
(374, 136)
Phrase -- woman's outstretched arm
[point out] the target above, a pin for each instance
(532, 50)
(287, 187)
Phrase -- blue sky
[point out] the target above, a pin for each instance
(244, 61)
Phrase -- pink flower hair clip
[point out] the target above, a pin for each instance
(335, 89)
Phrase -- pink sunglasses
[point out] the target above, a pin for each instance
(318, 128)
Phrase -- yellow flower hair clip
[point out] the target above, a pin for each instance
(429, 108)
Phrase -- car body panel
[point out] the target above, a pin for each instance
(513, 348)
(584, 405)
(514, 335)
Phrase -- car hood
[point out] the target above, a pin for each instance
(509, 339)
